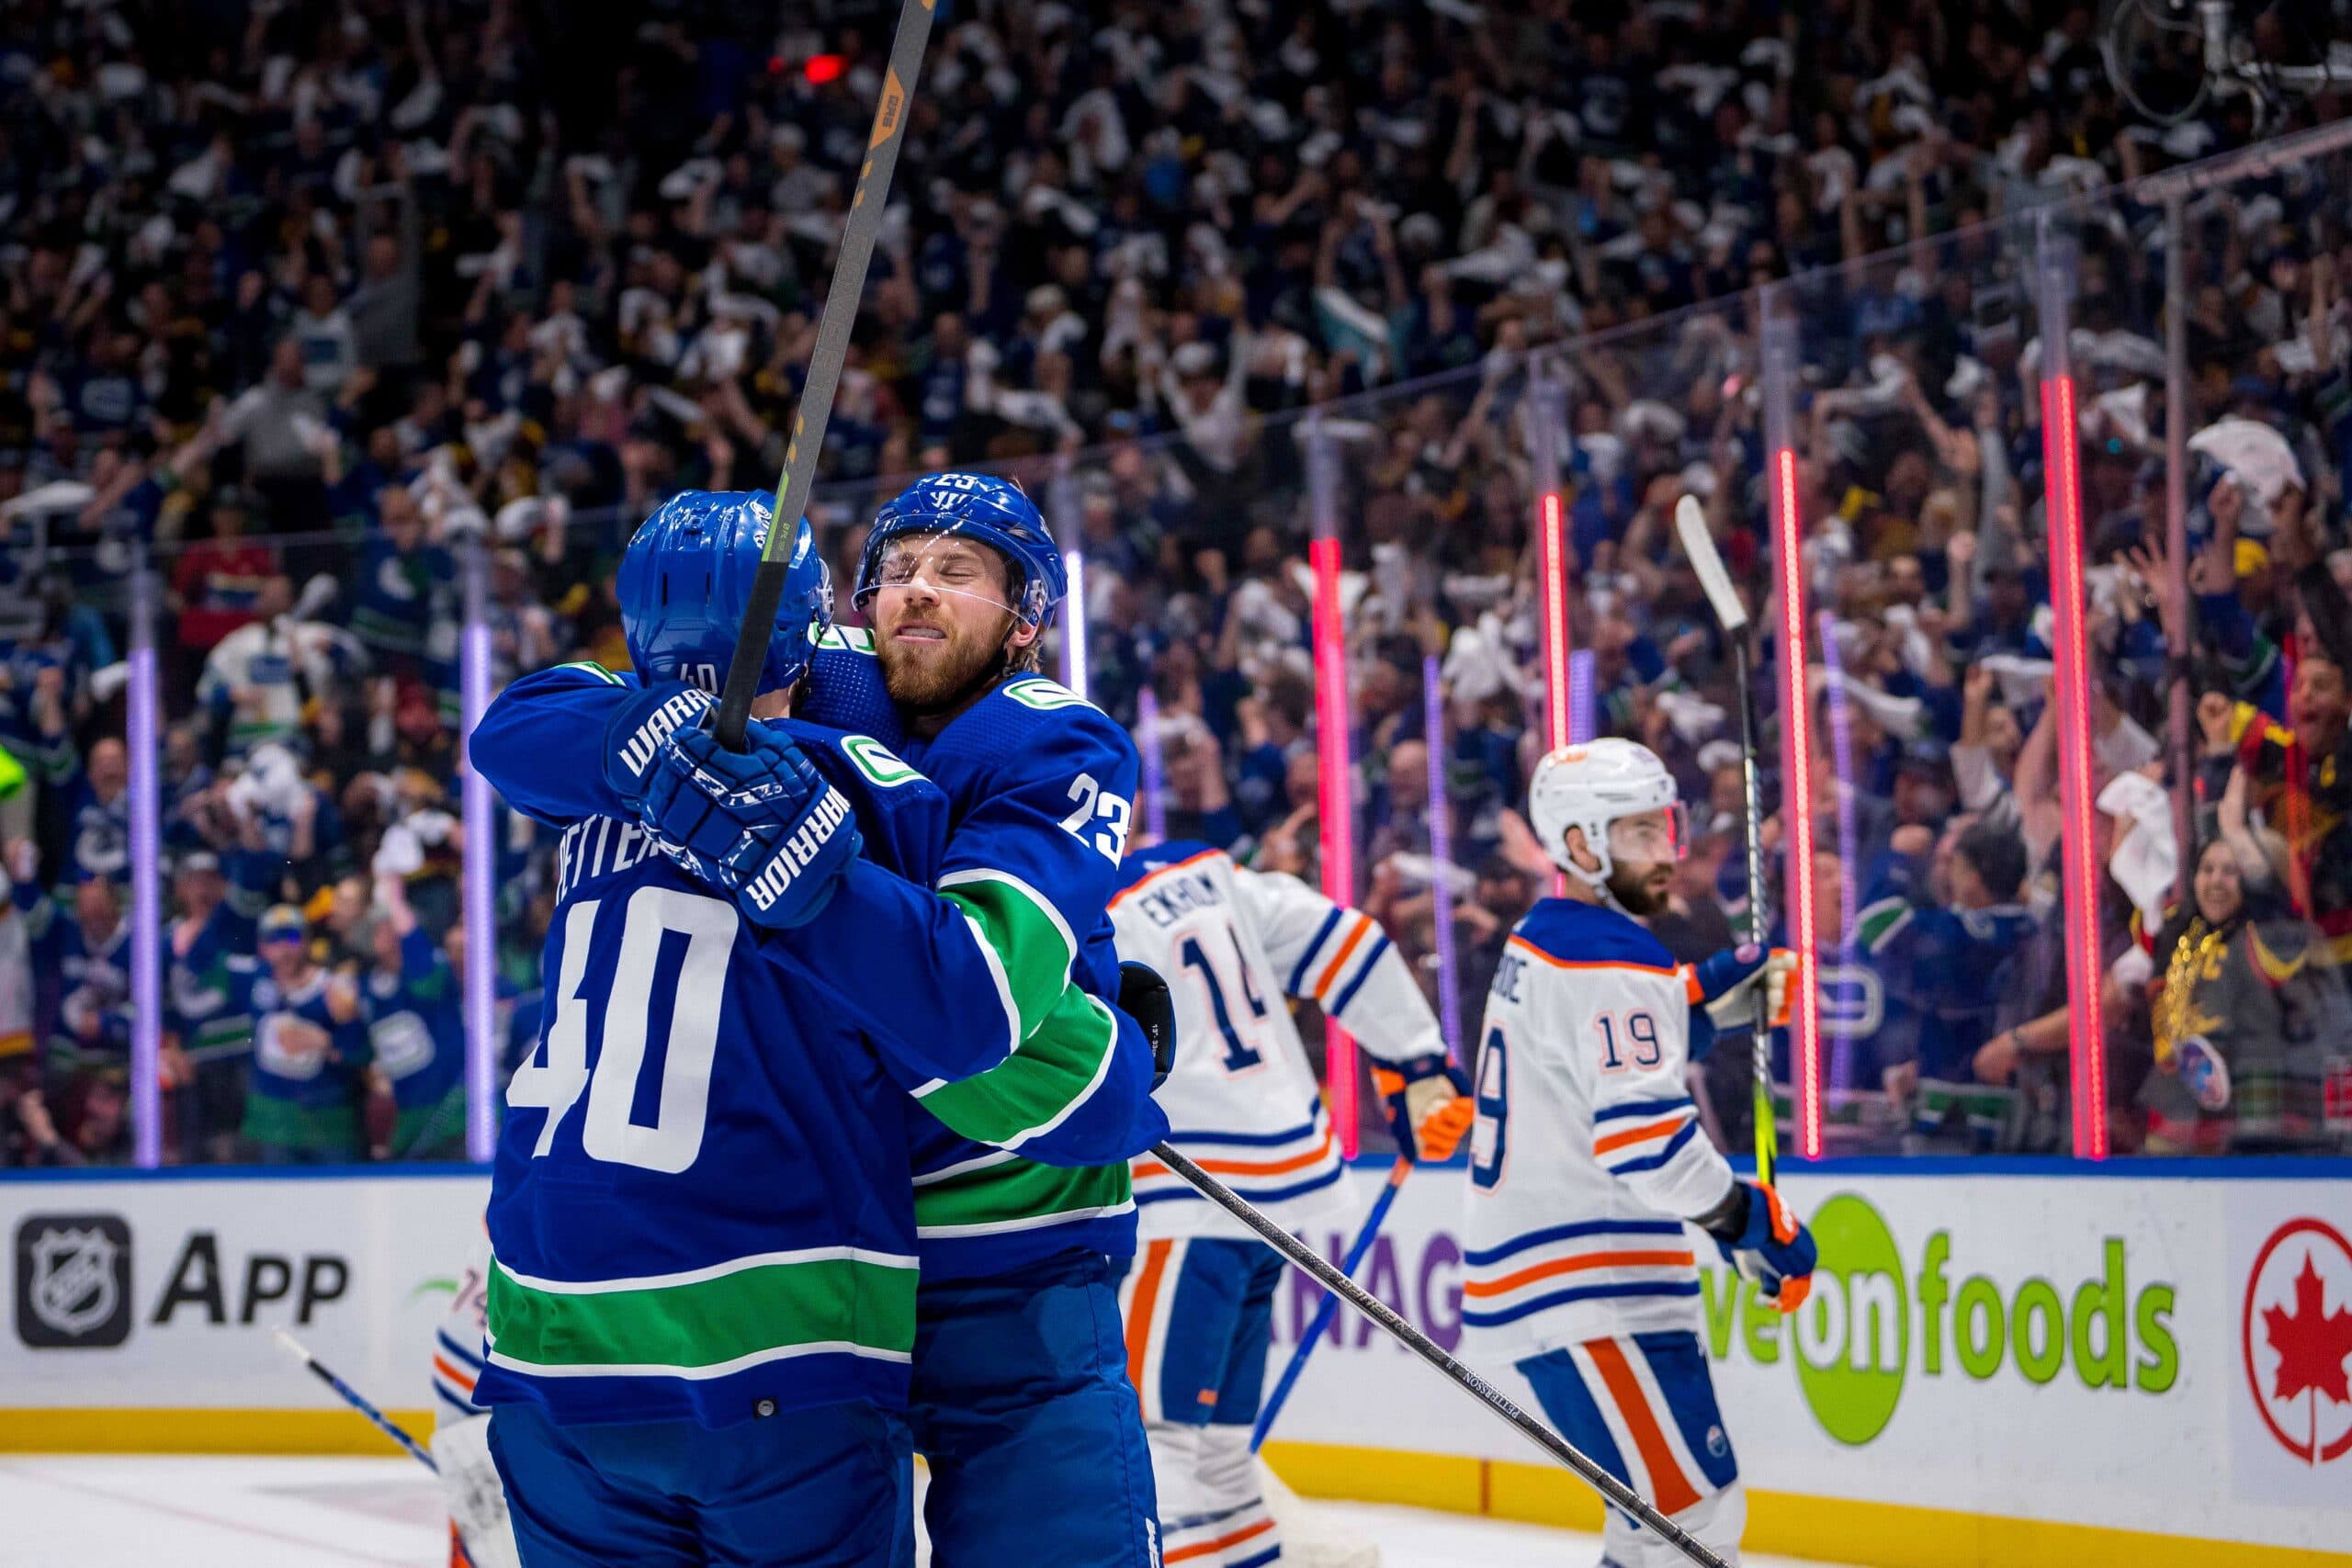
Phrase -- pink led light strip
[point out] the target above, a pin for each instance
(2086, 1032)
(1796, 805)
(1335, 807)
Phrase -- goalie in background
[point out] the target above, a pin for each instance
(1588, 1159)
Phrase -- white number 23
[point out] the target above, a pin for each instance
(1097, 806)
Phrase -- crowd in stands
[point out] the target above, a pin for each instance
(345, 317)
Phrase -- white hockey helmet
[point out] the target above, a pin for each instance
(1591, 785)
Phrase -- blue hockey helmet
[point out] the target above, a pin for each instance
(983, 508)
(686, 580)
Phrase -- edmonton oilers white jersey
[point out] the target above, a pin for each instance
(1587, 1151)
(1233, 945)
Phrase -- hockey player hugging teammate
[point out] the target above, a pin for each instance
(701, 1310)
(1198, 1302)
(1588, 1159)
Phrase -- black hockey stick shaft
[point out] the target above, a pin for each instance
(1304, 1256)
(816, 410)
(1759, 905)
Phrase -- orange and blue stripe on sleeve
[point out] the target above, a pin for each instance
(1642, 1134)
(1335, 964)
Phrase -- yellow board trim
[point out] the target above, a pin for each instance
(1835, 1530)
(89, 1431)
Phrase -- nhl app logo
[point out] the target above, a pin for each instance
(72, 1282)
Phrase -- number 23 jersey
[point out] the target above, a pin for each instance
(1587, 1151)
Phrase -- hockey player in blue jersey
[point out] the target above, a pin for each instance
(1022, 1402)
(701, 1310)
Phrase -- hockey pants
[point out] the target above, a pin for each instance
(825, 1487)
(1022, 1411)
(1199, 1316)
(1643, 1408)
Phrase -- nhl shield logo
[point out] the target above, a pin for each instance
(72, 1282)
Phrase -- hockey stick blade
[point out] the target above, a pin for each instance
(1314, 1264)
(1691, 523)
(816, 410)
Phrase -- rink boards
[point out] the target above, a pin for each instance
(2005, 1362)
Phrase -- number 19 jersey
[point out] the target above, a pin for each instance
(1588, 1153)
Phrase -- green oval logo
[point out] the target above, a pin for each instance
(1854, 1335)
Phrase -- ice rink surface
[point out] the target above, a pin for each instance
(139, 1512)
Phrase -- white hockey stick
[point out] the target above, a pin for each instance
(1691, 523)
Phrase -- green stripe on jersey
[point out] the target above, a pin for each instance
(589, 667)
(1023, 934)
(1038, 1087)
(1020, 1195)
(1879, 923)
(706, 1324)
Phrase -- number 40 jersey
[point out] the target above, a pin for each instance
(1233, 945)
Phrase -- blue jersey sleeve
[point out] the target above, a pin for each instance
(905, 964)
(1034, 859)
(1078, 1092)
(541, 743)
(901, 814)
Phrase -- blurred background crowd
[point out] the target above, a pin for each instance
(361, 323)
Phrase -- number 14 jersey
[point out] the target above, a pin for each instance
(1234, 945)
(1588, 1151)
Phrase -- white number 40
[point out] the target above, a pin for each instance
(1096, 805)
(683, 1058)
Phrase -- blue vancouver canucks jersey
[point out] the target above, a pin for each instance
(1038, 783)
(730, 1218)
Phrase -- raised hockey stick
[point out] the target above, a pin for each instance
(816, 410)
(353, 1397)
(1304, 1256)
(1328, 1307)
(1691, 523)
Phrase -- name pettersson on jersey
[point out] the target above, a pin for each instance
(792, 856)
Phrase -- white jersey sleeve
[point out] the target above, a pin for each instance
(1340, 960)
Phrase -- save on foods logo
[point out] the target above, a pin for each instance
(1877, 1318)
(2296, 1339)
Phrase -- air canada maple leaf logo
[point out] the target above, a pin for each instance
(2297, 1339)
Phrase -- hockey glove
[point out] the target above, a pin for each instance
(1760, 1235)
(1143, 997)
(1429, 1105)
(633, 735)
(1726, 985)
(761, 822)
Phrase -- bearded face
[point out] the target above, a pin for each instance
(1641, 887)
(942, 621)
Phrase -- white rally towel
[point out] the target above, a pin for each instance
(2147, 858)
